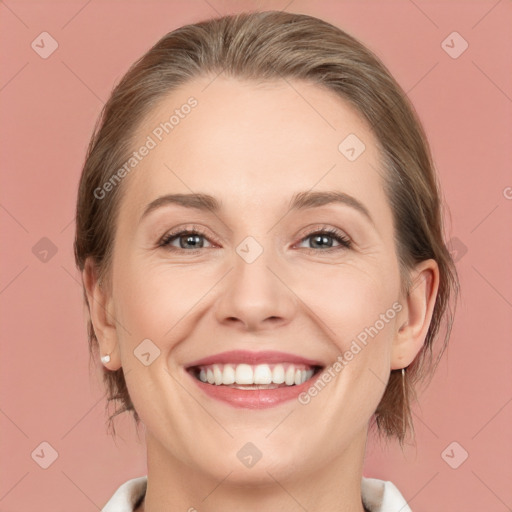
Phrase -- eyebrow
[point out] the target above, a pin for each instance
(299, 201)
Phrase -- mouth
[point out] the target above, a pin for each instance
(249, 377)
(254, 380)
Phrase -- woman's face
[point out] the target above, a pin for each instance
(262, 276)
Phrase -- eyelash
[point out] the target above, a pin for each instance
(345, 242)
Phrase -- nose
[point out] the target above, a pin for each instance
(256, 295)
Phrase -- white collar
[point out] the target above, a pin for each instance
(382, 496)
(377, 496)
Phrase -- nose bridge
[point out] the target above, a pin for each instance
(256, 239)
(254, 258)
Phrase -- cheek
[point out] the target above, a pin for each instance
(160, 301)
(349, 299)
(144, 303)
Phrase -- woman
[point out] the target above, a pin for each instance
(306, 307)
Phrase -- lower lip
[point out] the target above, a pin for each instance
(254, 398)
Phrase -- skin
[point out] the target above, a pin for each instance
(253, 146)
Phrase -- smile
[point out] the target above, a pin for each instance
(261, 376)
(254, 380)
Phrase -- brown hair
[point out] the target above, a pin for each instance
(268, 46)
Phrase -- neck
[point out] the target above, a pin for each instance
(175, 486)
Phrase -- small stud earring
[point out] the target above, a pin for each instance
(105, 359)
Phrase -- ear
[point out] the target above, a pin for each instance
(101, 312)
(416, 315)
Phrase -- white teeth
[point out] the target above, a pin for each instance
(228, 375)
(261, 374)
(278, 374)
(217, 374)
(290, 376)
(244, 374)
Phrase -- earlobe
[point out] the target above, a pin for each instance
(101, 314)
(418, 310)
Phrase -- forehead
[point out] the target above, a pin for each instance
(251, 143)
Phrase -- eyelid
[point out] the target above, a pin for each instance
(188, 227)
(333, 232)
(314, 228)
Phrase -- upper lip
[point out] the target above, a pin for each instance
(252, 358)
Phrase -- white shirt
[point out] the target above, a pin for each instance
(377, 496)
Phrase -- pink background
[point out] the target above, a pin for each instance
(48, 109)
